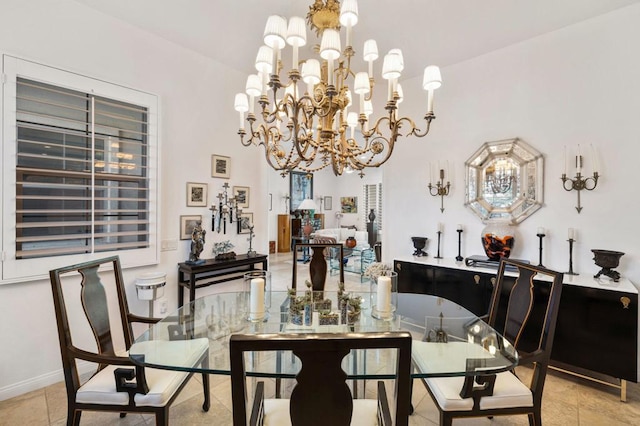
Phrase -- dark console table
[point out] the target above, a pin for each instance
(597, 330)
(213, 272)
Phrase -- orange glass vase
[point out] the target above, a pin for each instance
(498, 240)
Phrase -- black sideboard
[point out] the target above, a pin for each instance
(597, 330)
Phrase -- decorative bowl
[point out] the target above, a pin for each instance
(607, 260)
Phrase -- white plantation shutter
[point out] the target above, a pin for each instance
(84, 178)
(372, 199)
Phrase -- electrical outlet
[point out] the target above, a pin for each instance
(167, 245)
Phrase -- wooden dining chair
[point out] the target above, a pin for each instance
(524, 303)
(321, 396)
(118, 385)
(318, 263)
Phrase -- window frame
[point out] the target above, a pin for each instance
(17, 270)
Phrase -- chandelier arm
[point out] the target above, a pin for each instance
(428, 118)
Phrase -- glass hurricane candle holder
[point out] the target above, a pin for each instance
(257, 292)
(384, 295)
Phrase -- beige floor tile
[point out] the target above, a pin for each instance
(27, 409)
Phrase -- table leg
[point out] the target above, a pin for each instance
(192, 288)
(180, 290)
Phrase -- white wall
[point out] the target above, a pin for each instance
(578, 85)
(197, 120)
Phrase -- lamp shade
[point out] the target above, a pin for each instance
(264, 60)
(311, 71)
(275, 32)
(432, 78)
(349, 12)
(330, 44)
(254, 85)
(361, 84)
(370, 51)
(307, 204)
(241, 103)
(297, 32)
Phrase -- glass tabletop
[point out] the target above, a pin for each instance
(448, 339)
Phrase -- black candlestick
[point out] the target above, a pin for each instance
(571, 240)
(541, 236)
(438, 256)
(459, 257)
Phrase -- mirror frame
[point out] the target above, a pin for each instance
(531, 180)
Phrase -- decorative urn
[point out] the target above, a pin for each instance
(351, 242)
(607, 260)
(419, 244)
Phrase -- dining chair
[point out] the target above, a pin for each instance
(321, 395)
(82, 303)
(318, 264)
(524, 302)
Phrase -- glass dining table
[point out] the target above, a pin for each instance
(448, 339)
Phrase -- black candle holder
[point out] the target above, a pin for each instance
(459, 257)
(571, 240)
(540, 236)
(438, 256)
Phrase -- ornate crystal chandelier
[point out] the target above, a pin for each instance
(304, 122)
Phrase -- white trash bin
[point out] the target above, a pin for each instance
(150, 287)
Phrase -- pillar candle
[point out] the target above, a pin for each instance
(256, 300)
(540, 231)
(383, 296)
(439, 226)
(571, 234)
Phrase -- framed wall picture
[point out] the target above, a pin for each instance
(220, 166)
(300, 187)
(328, 203)
(244, 222)
(349, 204)
(187, 223)
(241, 193)
(196, 194)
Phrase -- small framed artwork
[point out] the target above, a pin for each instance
(241, 193)
(300, 188)
(187, 223)
(196, 194)
(328, 203)
(349, 204)
(244, 222)
(220, 166)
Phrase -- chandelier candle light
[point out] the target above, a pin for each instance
(440, 188)
(578, 183)
(305, 120)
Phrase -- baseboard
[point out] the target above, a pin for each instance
(40, 382)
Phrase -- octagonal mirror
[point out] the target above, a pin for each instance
(504, 181)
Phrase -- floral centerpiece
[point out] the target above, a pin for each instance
(377, 269)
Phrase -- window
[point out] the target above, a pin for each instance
(84, 173)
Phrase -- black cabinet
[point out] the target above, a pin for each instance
(466, 288)
(597, 328)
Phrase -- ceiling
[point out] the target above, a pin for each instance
(441, 32)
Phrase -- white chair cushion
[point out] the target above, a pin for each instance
(101, 388)
(276, 412)
(508, 392)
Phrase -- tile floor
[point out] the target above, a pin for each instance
(567, 400)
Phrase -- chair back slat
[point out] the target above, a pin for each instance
(94, 303)
(520, 306)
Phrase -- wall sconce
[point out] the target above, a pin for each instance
(579, 183)
(224, 210)
(440, 188)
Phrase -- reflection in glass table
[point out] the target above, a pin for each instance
(471, 346)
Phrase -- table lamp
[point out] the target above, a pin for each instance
(307, 205)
